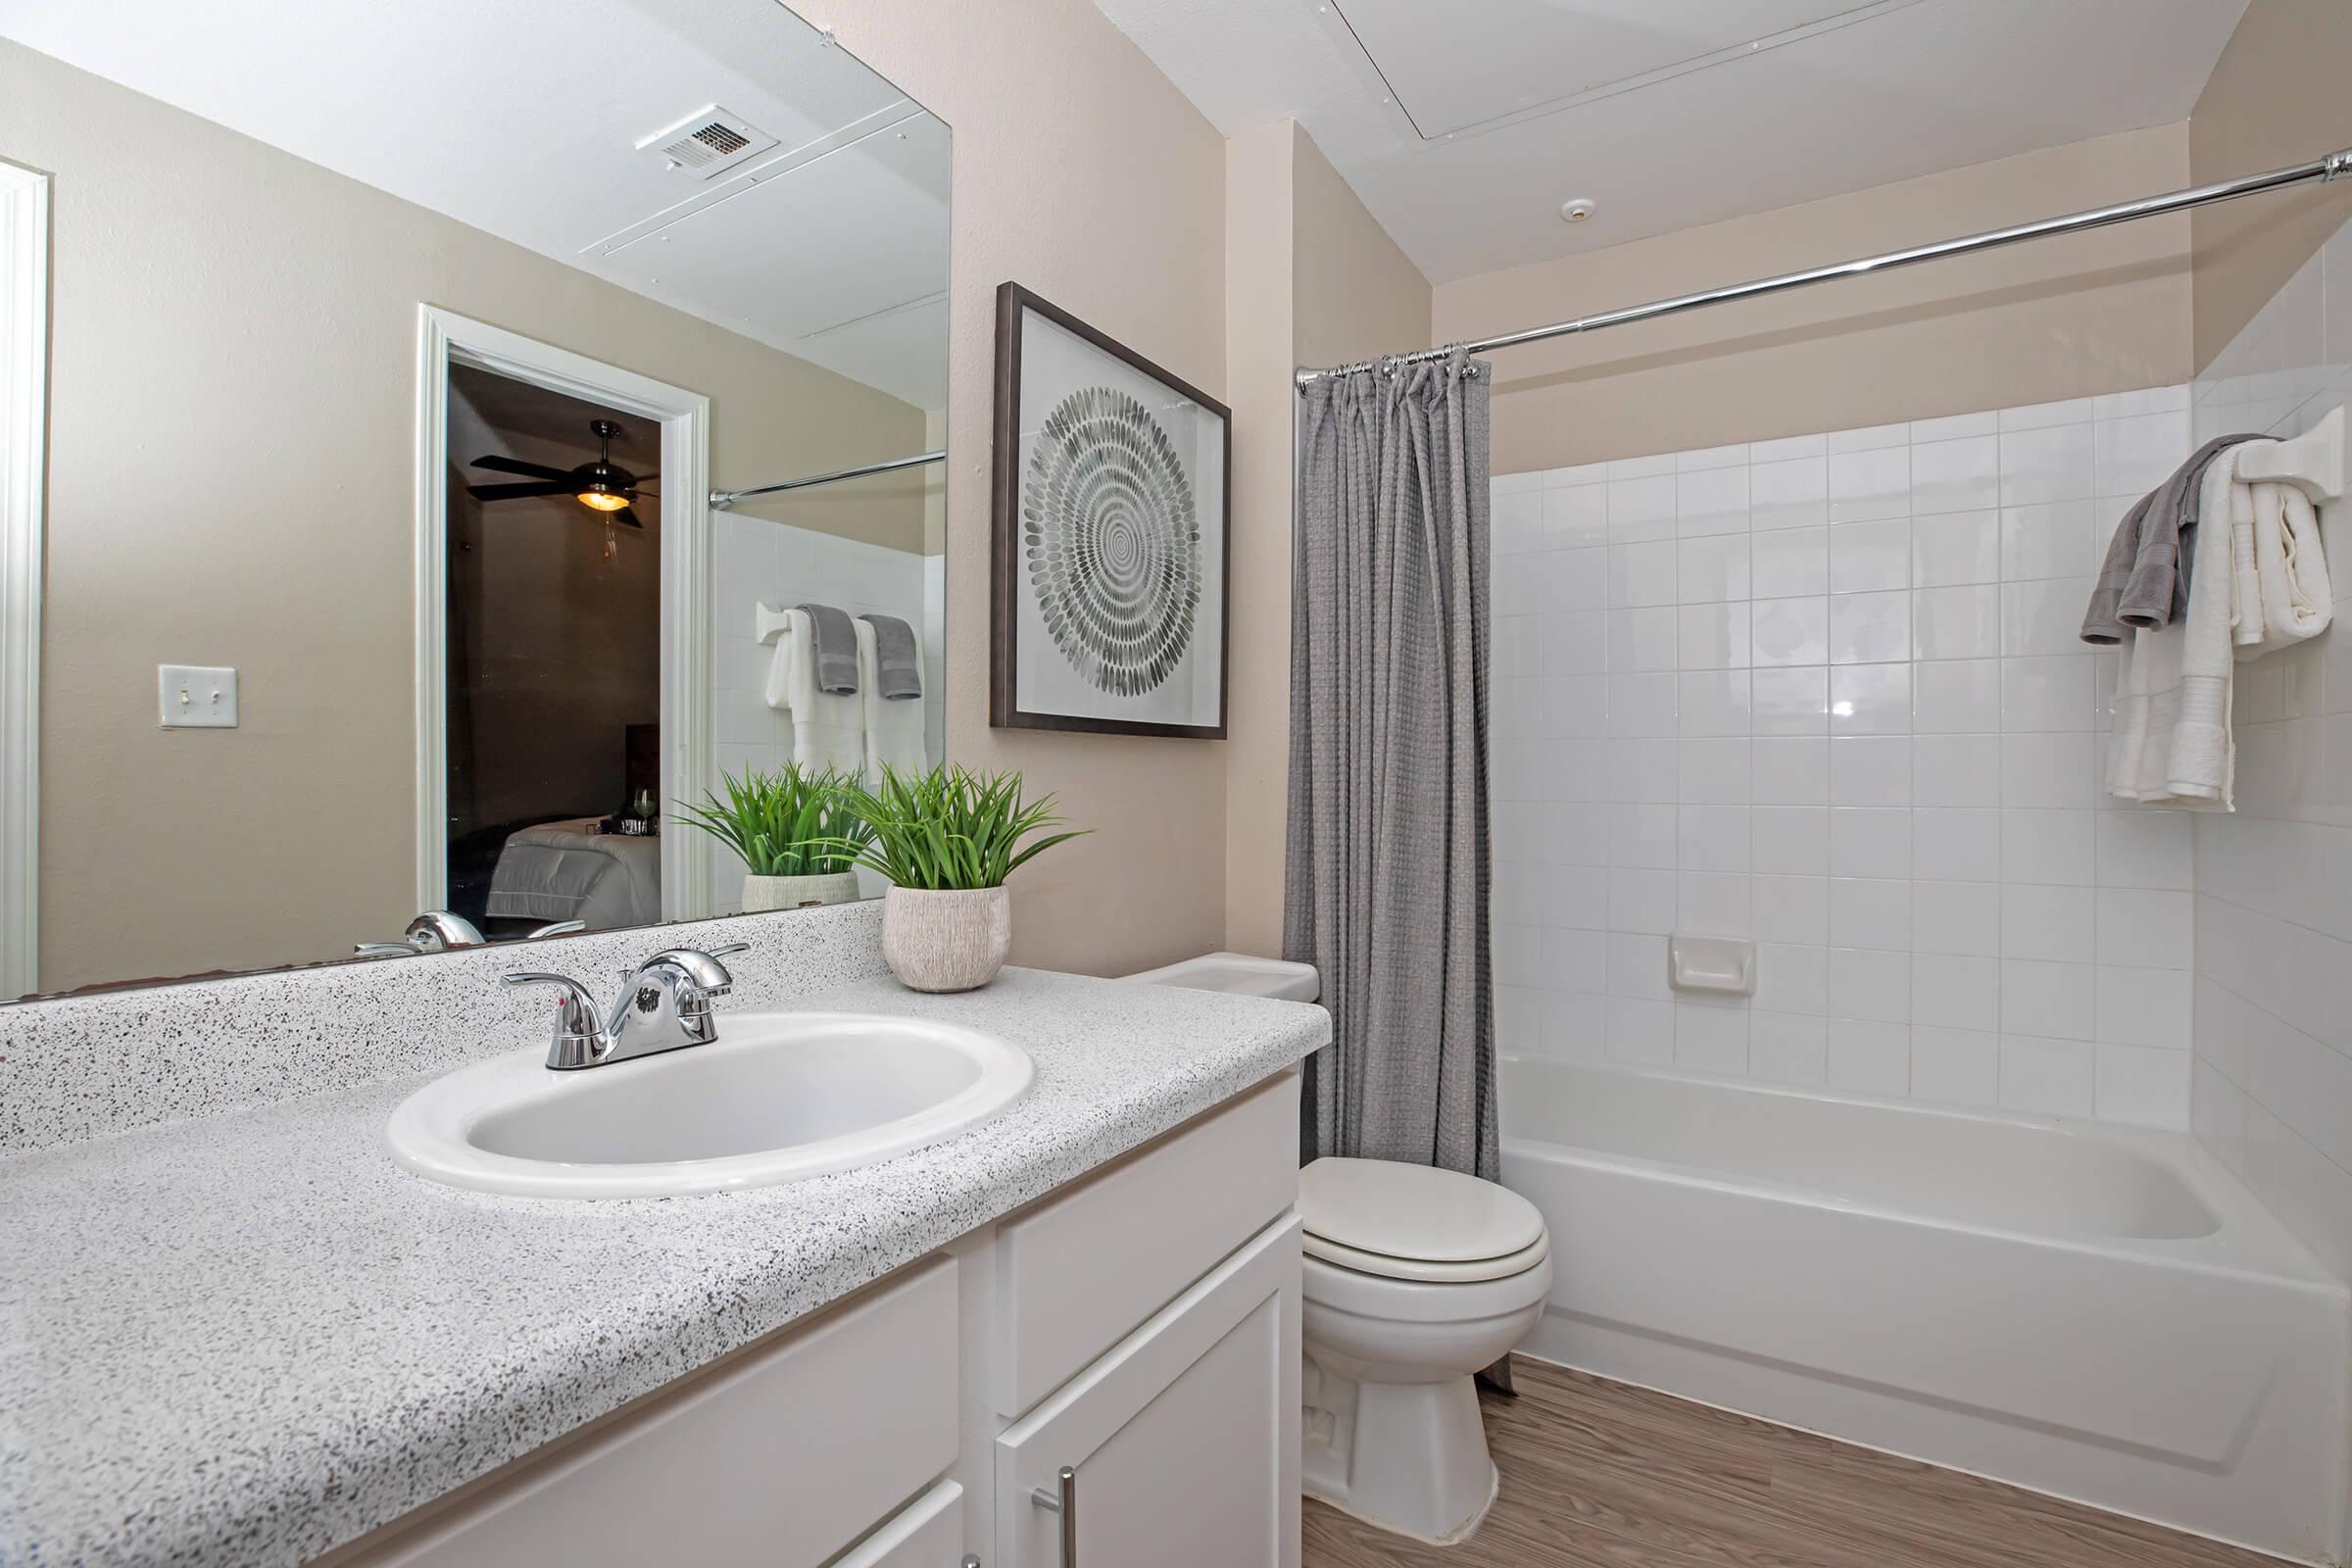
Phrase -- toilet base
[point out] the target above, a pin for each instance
(1407, 1457)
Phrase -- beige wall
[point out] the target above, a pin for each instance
(231, 481)
(1261, 241)
(2281, 93)
(1312, 278)
(2100, 312)
(1081, 172)
(1355, 294)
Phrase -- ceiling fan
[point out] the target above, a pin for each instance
(603, 485)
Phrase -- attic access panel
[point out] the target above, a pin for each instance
(1456, 70)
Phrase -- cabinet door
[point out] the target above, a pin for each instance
(928, 1533)
(1184, 1437)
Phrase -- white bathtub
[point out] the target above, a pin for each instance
(2100, 1313)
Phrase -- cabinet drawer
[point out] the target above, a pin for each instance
(928, 1533)
(780, 1460)
(1079, 1272)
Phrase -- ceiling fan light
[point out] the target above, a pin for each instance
(601, 500)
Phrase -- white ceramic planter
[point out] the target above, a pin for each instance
(763, 893)
(951, 940)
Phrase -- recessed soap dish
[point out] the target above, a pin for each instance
(1724, 966)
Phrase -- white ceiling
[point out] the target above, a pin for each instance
(523, 120)
(1465, 126)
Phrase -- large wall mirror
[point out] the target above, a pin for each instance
(427, 422)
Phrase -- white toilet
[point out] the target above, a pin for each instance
(1415, 1279)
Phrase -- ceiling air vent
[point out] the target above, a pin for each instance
(707, 142)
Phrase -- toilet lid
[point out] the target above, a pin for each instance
(1418, 1271)
(1415, 1213)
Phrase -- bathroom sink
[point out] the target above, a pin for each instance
(777, 1097)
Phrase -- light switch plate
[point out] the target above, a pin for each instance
(196, 697)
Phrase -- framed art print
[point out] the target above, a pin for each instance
(1111, 481)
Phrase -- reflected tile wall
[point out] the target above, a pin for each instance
(752, 562)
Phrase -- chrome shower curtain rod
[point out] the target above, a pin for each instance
(2319, 171)
(724, 500)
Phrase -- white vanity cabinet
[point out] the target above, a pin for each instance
(786, 1453)
(928, 1533)
(1182, 1444)
(1139, 1327)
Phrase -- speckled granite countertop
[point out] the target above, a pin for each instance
(246, 1338)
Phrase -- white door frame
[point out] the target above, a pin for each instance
(445, 339)
(23, 450)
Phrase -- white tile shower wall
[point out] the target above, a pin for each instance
(2273, 1085)
(755, 562)
(1827, 693)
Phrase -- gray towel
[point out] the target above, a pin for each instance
(2145, 580)
(836, 648)
(898, 656)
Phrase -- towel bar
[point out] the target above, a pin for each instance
(2312, 462)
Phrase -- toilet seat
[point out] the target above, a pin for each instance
(1416, 1222)
(1420, 1270)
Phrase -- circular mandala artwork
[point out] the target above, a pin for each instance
(1112, 545)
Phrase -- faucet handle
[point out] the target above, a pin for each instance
(578, 1039)
(558, 928)
(700, 967)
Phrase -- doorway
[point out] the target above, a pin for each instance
(554, 659)
(545, 615)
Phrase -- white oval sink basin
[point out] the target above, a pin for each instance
(777, 1097)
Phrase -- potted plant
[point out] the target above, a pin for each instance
(946, 839)
(796, 833)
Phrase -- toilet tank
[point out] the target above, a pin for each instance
(1242, 974)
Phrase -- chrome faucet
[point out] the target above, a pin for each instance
(438, 931)
(665, 1005)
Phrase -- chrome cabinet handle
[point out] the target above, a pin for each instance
(1066, 1503)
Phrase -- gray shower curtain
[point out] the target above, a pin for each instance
(1386, 889)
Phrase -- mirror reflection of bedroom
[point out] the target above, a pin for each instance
(553, 648)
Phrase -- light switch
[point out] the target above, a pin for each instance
(195, 697)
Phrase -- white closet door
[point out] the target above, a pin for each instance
(1184, 1437)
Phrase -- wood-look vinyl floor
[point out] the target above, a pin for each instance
(1601, 1475)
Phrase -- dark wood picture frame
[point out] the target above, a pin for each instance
(1005, 577)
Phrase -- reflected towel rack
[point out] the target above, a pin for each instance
(724, 500)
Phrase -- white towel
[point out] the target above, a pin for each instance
(827, 730)
(893, 726)
(2245, 579)
(2284, 596)
(2172, 745)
